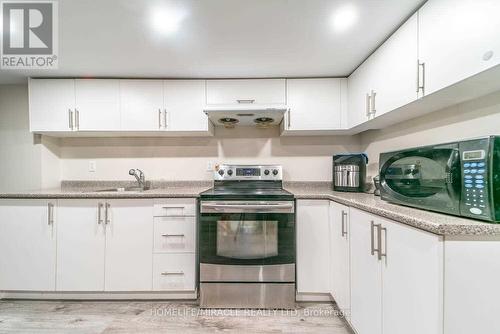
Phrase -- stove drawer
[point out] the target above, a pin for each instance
(174, 234)
(174, 272)
(174, 207)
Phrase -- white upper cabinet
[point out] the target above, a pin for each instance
(241, 92)
(27, 245)
(184, 104)
(314, 104)
(97, 105)
(52, 104)
(141, 103)
(360, 85)
(387, 80)
(457, 39)
(395, 65)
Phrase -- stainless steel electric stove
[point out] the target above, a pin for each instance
(247, 239)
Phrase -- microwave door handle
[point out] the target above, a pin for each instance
(452, 169)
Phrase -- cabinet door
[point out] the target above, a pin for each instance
(51, 103)
(366, 276)
(141, 105)
(246, 91)
(97, 104)
(412, 277)
(313, 249)
(315, 104)
(339, 246)
(129, 245)
(80, 246)
(457, 39)
(360, 84)
(184, 103)
(27, 245)
(395, 68)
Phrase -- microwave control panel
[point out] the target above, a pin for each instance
(475, 199)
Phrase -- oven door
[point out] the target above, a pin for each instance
(428, 178)
(247, 232)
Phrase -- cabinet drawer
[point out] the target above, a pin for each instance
(174, 234)
(174, 272)
(175, 207)
(242, 91)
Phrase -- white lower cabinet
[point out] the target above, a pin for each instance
(81, 243)
(129, 245)
(175, 234)
(313, 249)
(27, 245)
(366, 276)
(339, 257)
(396, 277)
(174, 272)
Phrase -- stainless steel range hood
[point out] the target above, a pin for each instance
(258, 116)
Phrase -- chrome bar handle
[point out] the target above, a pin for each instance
(165, 124)
(106, 214)
(289, 121)
(344, 227)
(159, 118)
(245, 101)
(384, 252)
(420, 86)
(77, 119)
(367, 105)
(173, 235)
(373, 109)
(418, 76)
(50, 214)
(99, 215)
(372, 238)
(166, 273)
(70, 117)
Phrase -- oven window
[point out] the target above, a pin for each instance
(247, 239)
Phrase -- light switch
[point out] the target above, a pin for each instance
(92, 166)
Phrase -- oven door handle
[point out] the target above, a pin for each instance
(242, 207)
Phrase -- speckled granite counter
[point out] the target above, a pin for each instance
(94, 189)
(425, 220)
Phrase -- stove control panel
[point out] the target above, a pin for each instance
(248, 172)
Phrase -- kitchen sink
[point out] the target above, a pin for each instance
(127, 189)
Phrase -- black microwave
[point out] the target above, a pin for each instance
(460, 178)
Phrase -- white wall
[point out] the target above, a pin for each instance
(24, 158)
(303, 158)
(470, 119)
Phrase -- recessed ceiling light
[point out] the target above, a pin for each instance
(344, 18)
(166, 21)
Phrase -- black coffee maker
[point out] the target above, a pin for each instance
(349, 172)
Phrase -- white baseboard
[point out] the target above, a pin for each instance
(189, 295)
(313, 297)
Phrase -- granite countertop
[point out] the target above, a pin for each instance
(433, 222)
(94, 189)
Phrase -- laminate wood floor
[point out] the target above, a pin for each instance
(144, 317)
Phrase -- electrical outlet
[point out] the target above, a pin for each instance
(92, 166)
(210, 166)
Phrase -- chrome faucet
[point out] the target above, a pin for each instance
(139, 176)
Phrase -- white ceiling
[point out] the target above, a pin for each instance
(217, 38)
